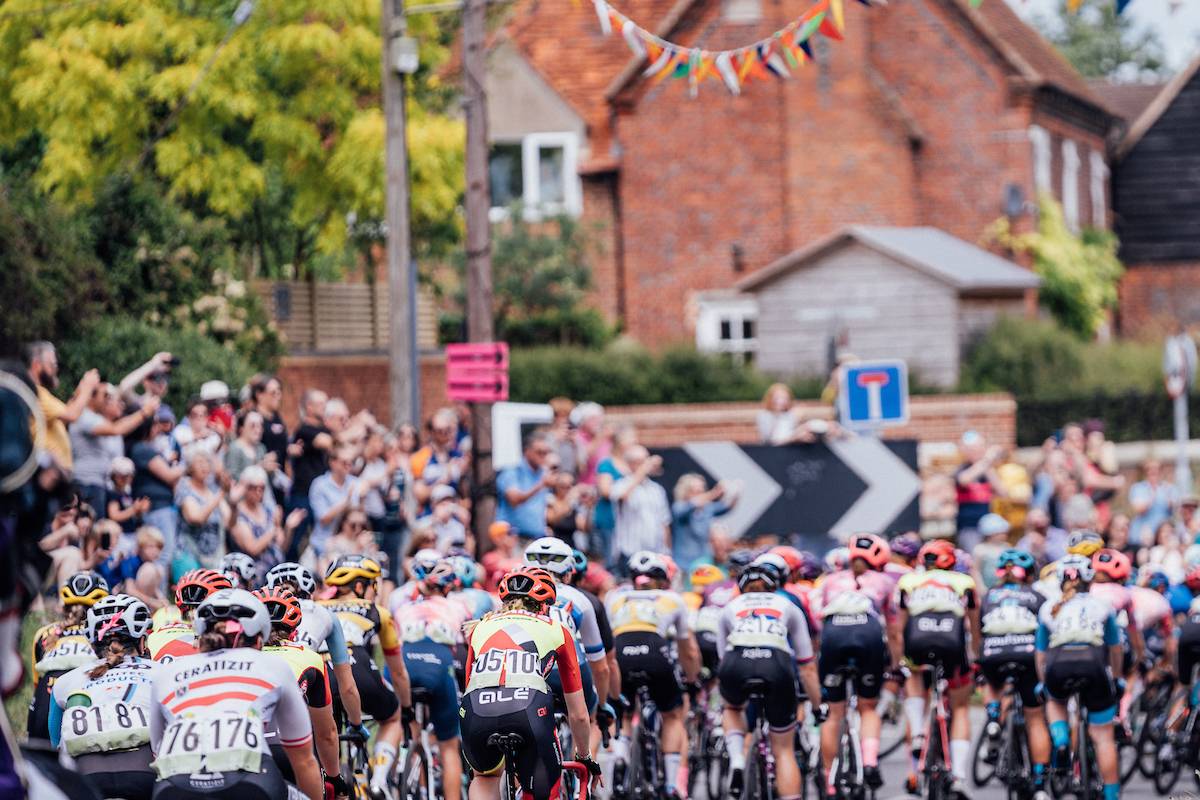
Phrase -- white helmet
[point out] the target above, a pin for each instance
(291, 572)
(423, 561)
(117, 614)
(1081, 565)
(837, 559)
(237, 605)
(552, 555)
(648, 563)
(1191, 556)
(239, 568)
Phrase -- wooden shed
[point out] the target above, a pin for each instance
(918, 294)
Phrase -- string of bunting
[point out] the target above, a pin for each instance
(775, 56)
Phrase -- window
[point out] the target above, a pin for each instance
(741, 11)
(539, 171)
(1070, 184)
(728, 325)
(1098, 176)
(1040, 139)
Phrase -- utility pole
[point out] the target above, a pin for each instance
(480, 327)
(399, 61)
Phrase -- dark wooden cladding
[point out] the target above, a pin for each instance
(1156, 187)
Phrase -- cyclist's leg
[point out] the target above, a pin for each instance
(667, 694)
(486, 762)
(960, 725)
(870, 657)
(431, 667)
(780, 712)
(731, 676)
(1035, 725)
(833, 692)
(539, 765)
(1100, 700)
(830, 730)
(379, 701)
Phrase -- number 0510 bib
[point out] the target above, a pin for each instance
(220, 742)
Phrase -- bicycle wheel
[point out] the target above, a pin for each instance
(751, 787)
(847, 781)
(412, 782)
(1013, 766)
(981, 771)
(1083, 749)
(717, 769)
(1166, 769)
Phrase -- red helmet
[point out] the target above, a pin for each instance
(533, 582)
(792, 556)
(197, 585)
(672, 567)
(1192, 579)
(283, 607)
(869, 548)
(937, 554)
(1112, 563)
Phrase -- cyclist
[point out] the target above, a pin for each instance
(1113, 568)
(705, 619)
(100, 714)
(363, 623)
(652, 640)
(409, 591)
(762, 635)
(1078, 640)
(477, 601)
(429, 631)
(313, 679)
(509, 657)
(1152, 611)
(319, 631)
(60, 647)
(240, 569)
(936, 606)
(211, 710)
(835, 560)
(904, 548)
(575, 577)
(1009, 622)
(855, 609)
(177, 637)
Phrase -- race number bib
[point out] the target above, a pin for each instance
(507, 668)
(102, 728)
(566, 615)
(848, 604)
(1009, 619)
(434, 630)
(223, 742)
(68, 653)
(755, 630)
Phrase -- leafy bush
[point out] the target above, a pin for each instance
(116, 346)
(1128, 416)
(577, 327)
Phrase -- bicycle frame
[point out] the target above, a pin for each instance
(936, 771)
(849, 746)
(1014, 743)
(761, 748)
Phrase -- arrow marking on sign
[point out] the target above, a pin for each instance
(728, 462)
(891, 485)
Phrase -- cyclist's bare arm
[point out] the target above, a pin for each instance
(326, 735)
(600, 678)
(400, 682)
(808, 677)
(304, 767)
(1136, 640)
(348, 691)
(614, 673)
(1116, 658)
(689, 657)
(577, 718)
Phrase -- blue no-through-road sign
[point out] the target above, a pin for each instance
(874, 394)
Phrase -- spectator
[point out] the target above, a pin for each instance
(354, 535)
(1166, 554)
(204, 515)
(1152, 500)
(610, 470)
(568, 506)
(1079, 514)
(1102, 477)
(777, 422)
(693, 512)
(994, 530)
(377, 471)
(523, 489)
(195, 435)
(1045, 542)
(155, 478)
(266, 397)
(139, 573)
(504, 555)
(97, 439)
(398, 499)
(153, 377)
(257, 530)
(566, 445)
(61, 542)
(309, 451)
(977, 484)
(643, 513)
(448, 521)
(594, 439)
(248, 450)
(41, 361)
(1116, 535)
(215, 395)
(439, 463)
(120, 504)
(331, 496)
(1189, 520)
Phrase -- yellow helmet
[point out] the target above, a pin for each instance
(705, 574)
(350, 568)
(1084, 543)
(83, 589)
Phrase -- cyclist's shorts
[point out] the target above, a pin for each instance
(126, 773)
(38, 726)
(1187, 656)
(998, 663)
(709, 657)
(431, 668)
(645, 660)
(741, 664)
(939, 638)
(265, 785)
(522, 711)
(378, 698)
(861, 643)
(585, 676)
(1084, 665)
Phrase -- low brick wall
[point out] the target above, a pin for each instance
(360, 380)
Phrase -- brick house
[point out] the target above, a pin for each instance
(930, 113)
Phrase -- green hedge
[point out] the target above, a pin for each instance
(1127, 417)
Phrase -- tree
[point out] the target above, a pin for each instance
(284, 122)
(1101, 43)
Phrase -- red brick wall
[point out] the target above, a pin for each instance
(1154, 296)
(362, 381)
(600, 223)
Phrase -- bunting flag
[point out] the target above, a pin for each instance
(776, 56)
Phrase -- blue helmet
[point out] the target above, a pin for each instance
(466, 569)
(580, 562)
(1157, 580)
(1016, 557)
(740, 559)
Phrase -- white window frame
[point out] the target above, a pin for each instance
(1098, 177)
(1039, 138)
(1070, 184)
(531, 200)
(736, 311)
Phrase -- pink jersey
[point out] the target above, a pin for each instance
(436, 619)
(1120, 599)
(1149, 608)
(843, 592)
(894, 572)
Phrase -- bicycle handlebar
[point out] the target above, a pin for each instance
(585, 777)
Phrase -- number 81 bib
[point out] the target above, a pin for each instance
(102, 728)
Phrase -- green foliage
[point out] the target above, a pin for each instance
(1129, 416)
(1101, 43)
(1079, 272)
(117, 346)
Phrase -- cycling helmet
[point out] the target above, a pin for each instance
(83, 589)
(838, 558)
(239, 568)
(580, 563)
(350, 568)
(791, 555)
(442, 576)
(774, 563)
(672, 567)
(552, 555)
(1016, 557)
(740, 559)
(869, 548)
(117, 615)
(527, 581)
(282, 606)
(1157, 580)
(648, 564)
(423, 561)
(704, 575)
(1075, 566)
(907, 545)
(235, 605)
(1084, 543)
(937, 554)
(299, 577)
(198, 584)
(466, 569)
(963, 562)
(1113, 563)
(810, 566)
(1192, 579)
(759, 572)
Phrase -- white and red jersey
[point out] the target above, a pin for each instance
(764, 620)
(1150, 609)
(402, 595)
(224, 684)
(843, 592)
(1120, 599)
(433, 618)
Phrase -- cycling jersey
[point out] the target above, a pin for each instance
(656, 611)
(435, 619)
(850, 597)
(477, 601)
(935, 634)
(1076, 641)
(1153, 614)
(853, 610)
(516, 650)
(1081, 622)
(1188, 654)
(309, 670)
(1120, 599)
(165, 615)
(402, 595)
(173, 640)
(1009, 619)
(573, 610)
(318, 630)
(430, 628)
(936, 591)
(103, 714)
(720, 593)
(363, 622)
(57, 649)
(763, 620)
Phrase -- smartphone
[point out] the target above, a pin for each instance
(174, 361)
(106, 541)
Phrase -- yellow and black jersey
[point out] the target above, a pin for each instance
(363, 622)
(309, 669)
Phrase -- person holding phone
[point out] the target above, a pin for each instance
(525, 488)
(643, 513)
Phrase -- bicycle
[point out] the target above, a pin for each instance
(511, 744)
(933, 766)
(1180, 746)
(420, 776)
(356, 766)
(760, 767)
(706, 748)
(847, 766)
(1081, 775)
(1147, 719)
(643, 775)
(1012, 765)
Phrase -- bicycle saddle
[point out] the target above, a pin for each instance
(506, 742)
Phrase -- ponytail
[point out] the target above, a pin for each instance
(113, 651)
(521, 603)
(74, 615)
(1070, 589)
(213, 640)
(278, 637)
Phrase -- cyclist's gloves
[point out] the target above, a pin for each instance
(339, 785)
(407, 715)
(820, 713)
(592, 767)
(359, 732)
(1120, 686)
(605, 715)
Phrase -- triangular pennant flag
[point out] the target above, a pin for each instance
(659, 64)
(724, 63)
(820, 8)
(745, 62)
(805, 31)
(839, 18)
(829, 30)
(602, 14)
(633, 38)
(772, 61)
(693, 72)
(790, 54)
(806, 46)
(706, 66)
